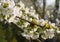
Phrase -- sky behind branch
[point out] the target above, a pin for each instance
(50, 2)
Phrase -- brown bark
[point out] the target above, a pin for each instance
(44, 8)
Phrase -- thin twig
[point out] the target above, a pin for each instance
(28, 21)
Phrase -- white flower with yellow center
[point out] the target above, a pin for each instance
(26, 24)
(48, 33)
(17, 11)
(42, 22)
(21, 5)
(36, 16)
(27, 10)
(13, 19)
(7, 3)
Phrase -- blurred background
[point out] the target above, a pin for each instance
(47, 9)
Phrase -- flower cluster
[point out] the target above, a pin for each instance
(29, 20)
(49, 29)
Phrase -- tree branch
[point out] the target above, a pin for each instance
(28, 21)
